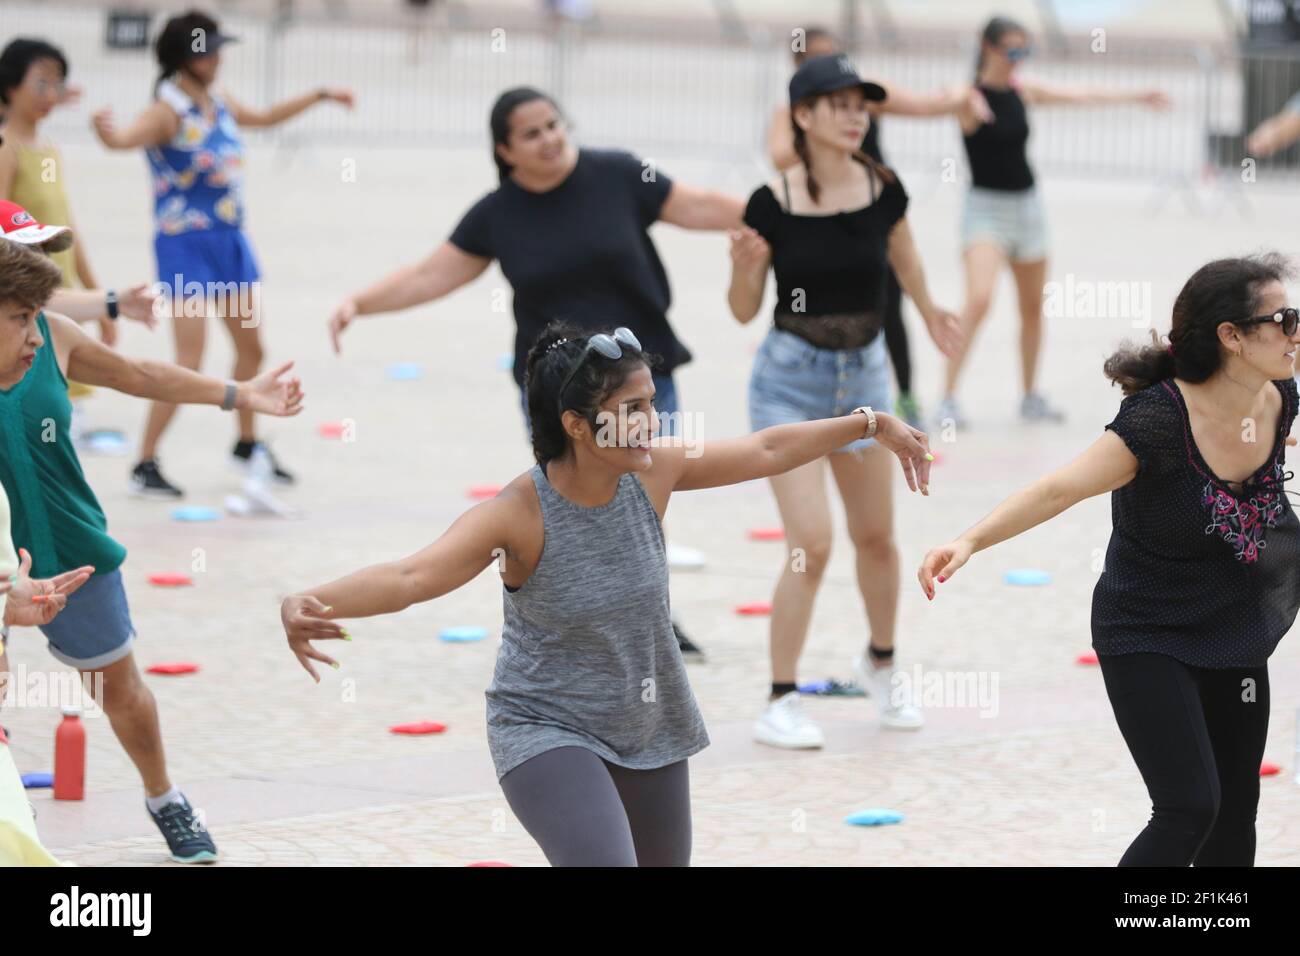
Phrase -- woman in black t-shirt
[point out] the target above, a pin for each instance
(1202, 574)
(1003, 221)
(568, 227)
(831, 229)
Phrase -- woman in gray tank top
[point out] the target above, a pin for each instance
(590, 716)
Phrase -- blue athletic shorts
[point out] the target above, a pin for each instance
(210, 260)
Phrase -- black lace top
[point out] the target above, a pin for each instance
(831, 271)
(1196, 569)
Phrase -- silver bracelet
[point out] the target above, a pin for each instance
(228, 403)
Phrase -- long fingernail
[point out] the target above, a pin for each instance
(346, 635)
(929, 457)
(942, 579)
(336, 665)
(329, 609)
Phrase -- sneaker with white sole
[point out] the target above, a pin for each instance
(893, 701)
(147, 481)
(783, 723)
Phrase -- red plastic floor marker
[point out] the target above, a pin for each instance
(486, 863)
(419, 727)
(754, 609)
(1087, 657)
(766, 534)
(170, 579)
(179, 667)
(481, 492)
(332, 430)
(1267, 769)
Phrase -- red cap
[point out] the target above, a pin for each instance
(19, 225)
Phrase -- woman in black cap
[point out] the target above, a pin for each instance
(809, 43)
(831, 228)
(191, 138)
(569, 228)
(1003, 220)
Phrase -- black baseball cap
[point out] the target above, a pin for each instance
(827, 74)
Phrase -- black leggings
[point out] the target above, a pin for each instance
(1197, 736)
(585, 811)
(896, 333)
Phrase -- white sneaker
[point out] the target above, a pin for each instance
(683, 558)
(893, 701)
(948, 411)
(784, 724)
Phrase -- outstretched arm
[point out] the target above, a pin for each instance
(1105, 465)
(456, 558)
(1037, 93)
(693, 208)
(443, 271)
(156, 125)
(1276, 132)
(92, 363)
(776, 450)
(946, 102)
(286, 110)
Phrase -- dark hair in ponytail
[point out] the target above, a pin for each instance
(801, 150)
(174, 45)
(545, 373)
(499, 120)
(1217, 292)
(992, 34)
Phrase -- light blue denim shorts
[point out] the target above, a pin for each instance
(795, 381)
(1013, 220)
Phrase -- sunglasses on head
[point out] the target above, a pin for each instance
(606, 345)
(1288, 318)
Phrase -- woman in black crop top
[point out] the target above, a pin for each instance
(808, 43)
(1202, 574)
(830, 229)
(1003, 221)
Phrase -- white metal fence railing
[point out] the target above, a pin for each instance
(422, 82)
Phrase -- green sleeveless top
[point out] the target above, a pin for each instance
(55, 515)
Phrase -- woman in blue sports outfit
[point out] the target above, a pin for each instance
(192, 141)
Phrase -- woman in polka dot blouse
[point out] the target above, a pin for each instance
(1202, 575)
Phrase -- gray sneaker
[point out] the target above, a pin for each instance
(1034, 408)
(948, 411)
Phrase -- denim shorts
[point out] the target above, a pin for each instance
(1013, 220)
(794, 381)
(665, 405)
(95, 629)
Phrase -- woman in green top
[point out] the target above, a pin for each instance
(56, 516)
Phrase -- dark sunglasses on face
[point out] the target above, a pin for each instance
(1288, 318)
(1017, 53)
(608, 346)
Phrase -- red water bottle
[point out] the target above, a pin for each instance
(70, 757)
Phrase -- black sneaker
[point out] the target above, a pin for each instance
(185, 833)
(241, 459)
(690, 650)
(148, 482)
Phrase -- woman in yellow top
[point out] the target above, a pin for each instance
(33, 78)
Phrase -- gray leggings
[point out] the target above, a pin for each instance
(584, 811)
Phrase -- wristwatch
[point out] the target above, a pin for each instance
(871, 419)
(228, 402)
(110, 303)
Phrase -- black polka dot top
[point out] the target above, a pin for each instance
(1196, 570)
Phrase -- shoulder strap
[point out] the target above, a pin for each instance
(785, 184)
